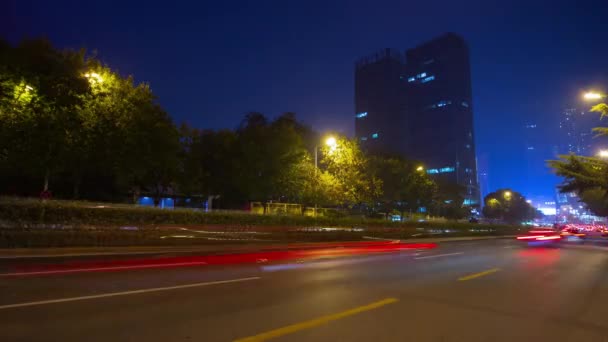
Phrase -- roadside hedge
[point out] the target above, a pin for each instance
(33, 223)
(28, 212)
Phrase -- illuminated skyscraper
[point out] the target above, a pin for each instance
(421, 107)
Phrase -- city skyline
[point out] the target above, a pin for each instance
(518, 74)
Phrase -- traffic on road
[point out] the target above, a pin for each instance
(452, 291)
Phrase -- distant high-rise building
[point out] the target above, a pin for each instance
(576, 135)
(421, 107)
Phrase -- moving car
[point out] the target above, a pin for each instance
(548, 235)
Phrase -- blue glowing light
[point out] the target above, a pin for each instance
(361, 115)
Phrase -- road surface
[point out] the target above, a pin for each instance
(495, 290)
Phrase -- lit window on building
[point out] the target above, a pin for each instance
(363, 138)
(411, 79)
(375, 136)
(469, 201)
(361, 115)
(443, 103)
(428, 79)
(465, 104)
(467, 170)
(421, 75)
(468, 146)
(441, 170)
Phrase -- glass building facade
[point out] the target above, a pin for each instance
(420, 106)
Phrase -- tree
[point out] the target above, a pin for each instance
(509, 206)
(405, 185)
(448, 201)
(40, 89)
(586, 176)
(349, 166)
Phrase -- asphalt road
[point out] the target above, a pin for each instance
(496, 290)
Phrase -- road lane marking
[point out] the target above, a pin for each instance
(290, 329)
(111, 268)
(480, 274)
(125, 293)
(438, 255)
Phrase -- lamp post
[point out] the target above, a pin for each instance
(332, 143)
(603, 154)
(593, 96)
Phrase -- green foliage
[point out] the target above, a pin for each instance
(586, 176)
(404, 187)
(509, 206)
(349, 170)
(26, 213)
(27, 223)
(66, 120)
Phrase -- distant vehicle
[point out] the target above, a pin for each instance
(572, 230)
(546, 235)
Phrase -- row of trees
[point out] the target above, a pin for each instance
(70, 122)
(72, 125)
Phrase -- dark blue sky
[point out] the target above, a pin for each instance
(211, 61)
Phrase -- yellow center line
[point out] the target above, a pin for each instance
(290, 329)
(480, 274)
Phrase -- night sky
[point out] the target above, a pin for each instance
(212, 61)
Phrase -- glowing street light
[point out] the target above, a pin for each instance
(94, 77)
(591, 95)
(331, 142)
(507, 195)
(603, 154)
(420, 168)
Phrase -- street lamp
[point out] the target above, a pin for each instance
(592, 95)
(332, 143)
(420, 168)
(507, 195)
(94, 77)
(603, 154)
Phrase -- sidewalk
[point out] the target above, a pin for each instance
(19, 253)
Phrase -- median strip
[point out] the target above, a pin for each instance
(290, 329)
(125, 293)
(480, 274)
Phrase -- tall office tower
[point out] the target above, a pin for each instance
(379, 102)
(427, 113)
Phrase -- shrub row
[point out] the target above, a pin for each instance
(27, 212)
